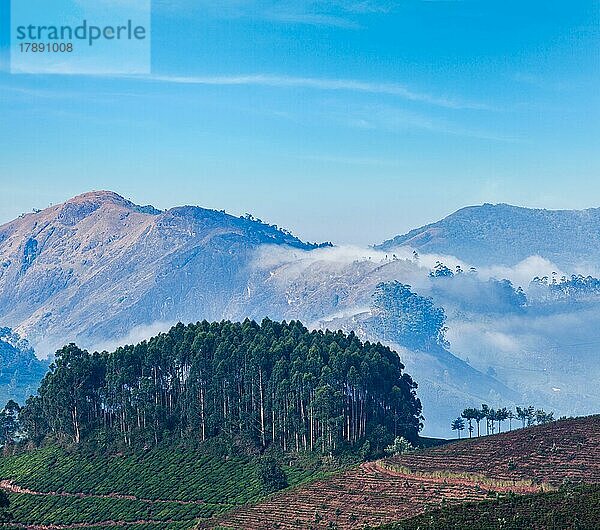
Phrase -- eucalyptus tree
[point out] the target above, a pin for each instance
(485, 411)
(458, 425)
(470, 414)
(501, 415)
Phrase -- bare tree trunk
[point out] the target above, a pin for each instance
(262, 410)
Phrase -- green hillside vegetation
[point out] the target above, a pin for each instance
(271, 384)
(576, 508)
(198, 421)
(259, 426)
(168, 483)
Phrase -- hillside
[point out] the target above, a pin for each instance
(523, 461)
(20, 370)
(101, 271)
(198, 421)
(505, 235)
(570, 508)
(95, 267)
(553, 453)
(171, 486)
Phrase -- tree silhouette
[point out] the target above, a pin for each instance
(526, 415)
(542, 417)
(491, 416)
(470, 414)
(510, 416)
(479, 415)
(501, 415)
(485, 411)
(458, 425)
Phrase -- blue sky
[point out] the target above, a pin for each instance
(349, 121)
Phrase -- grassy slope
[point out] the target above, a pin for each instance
(203, 484)
(577, 508)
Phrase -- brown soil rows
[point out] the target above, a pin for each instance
(368, 494)
(520, 461)
(564, 450)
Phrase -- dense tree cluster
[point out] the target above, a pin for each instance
(577, 287)
(406, 318)
(273, 383)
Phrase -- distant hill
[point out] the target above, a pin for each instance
(505, 235)
(20, 370)
(95, 267)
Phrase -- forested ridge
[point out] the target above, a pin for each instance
(266, 384)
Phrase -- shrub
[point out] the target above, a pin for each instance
(400, 446)
(271, 475)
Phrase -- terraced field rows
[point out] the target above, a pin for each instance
(397, 489)
(567, 449)
(53, 488)
(368, 494)
(577, 508)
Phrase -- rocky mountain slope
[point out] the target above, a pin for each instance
(97, 266)
(505, 235)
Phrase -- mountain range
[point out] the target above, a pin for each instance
(100, 270)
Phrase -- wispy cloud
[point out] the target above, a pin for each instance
(351, 85)
(335, 13)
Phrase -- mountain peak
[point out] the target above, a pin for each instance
(100, 196)
(90, 201)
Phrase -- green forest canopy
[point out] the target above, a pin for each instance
(270, 384)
